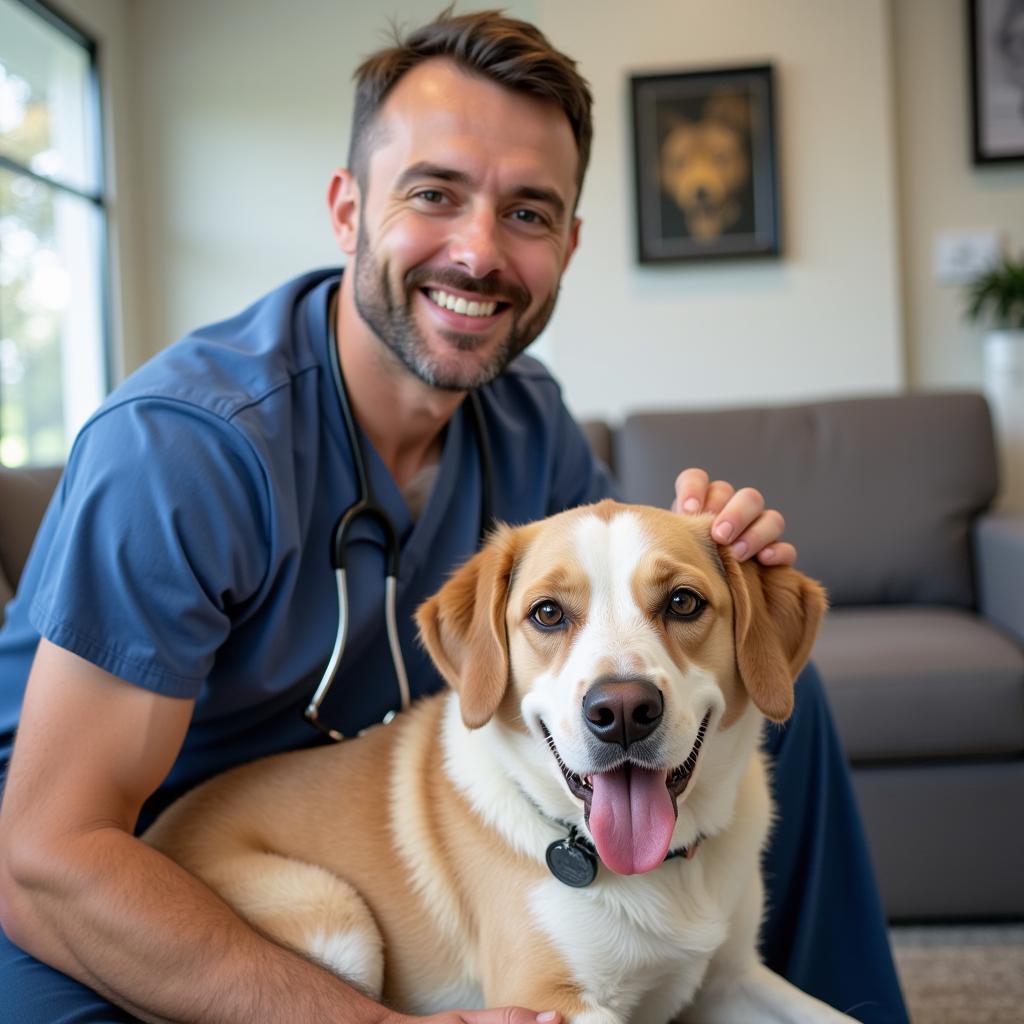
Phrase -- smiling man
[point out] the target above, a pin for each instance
(179, 605)
(460, 222)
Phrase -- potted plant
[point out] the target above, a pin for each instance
(996, 298)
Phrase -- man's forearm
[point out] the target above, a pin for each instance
(126, 921)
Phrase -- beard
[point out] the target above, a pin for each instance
(388, 312)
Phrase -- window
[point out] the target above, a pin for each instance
(53, 348)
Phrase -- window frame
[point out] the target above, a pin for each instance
(98, 197)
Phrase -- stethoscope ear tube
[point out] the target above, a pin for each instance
(368, 509)
(366, 506)
(313, 708)
(390, 590)
(334, 662)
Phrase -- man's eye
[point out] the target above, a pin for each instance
(431, 195)
(547, 614)
(528, 217)
(685, 603)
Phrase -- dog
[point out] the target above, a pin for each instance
(704, 166)
(577, 823)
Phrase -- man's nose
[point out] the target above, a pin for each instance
(476, 243)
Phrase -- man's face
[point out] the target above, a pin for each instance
(465, 224)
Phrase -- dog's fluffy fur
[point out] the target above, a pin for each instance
(412, 861)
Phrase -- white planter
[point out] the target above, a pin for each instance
(1004, 388)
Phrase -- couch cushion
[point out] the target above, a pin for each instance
(6, 593)
(24, 495)
(878, 493)
(599, 437)
(921, 683)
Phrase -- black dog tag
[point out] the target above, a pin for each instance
(571, 863)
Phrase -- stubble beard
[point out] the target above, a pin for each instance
(390, 316)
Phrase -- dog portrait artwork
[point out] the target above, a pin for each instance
(997, 80)
(705, 166)
(576, 822)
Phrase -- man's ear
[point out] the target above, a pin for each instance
(777, 612)
(343, 202)
(463, 627)
(574, 241)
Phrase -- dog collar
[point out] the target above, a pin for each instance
(574, 860)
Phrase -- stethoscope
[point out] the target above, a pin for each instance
(366, 506)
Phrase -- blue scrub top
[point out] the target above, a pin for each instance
(186, 549)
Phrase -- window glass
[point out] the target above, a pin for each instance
(53, 351)
(46, 100)
(52, 368)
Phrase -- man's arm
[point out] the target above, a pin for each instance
(80, 892)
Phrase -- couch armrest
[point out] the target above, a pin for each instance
(599, 436)
(24, 495)
(999, 552)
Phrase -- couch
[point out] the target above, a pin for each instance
(922, 654)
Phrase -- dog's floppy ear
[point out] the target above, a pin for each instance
(463, 627)
(777, 613)
(731, 108)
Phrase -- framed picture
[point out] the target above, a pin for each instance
(996, 30)
(706, 176)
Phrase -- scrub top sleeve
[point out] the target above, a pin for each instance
(579, 477)
(161, 537)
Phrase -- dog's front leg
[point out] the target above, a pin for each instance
(738, 987)
(574, 1005)
(545, 986)
(758, 994)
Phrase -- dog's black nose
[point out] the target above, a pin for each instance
(623, 710)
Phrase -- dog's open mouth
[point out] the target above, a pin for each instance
(631, 810)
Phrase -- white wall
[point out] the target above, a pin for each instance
(822, 320)
(243, 112)
(940, 190)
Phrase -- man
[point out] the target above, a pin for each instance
(179, 606)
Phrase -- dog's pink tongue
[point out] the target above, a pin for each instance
(631, 819)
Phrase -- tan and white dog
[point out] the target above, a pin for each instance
(611, 669)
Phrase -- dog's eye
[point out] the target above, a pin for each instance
(685, 603)
(547, 614)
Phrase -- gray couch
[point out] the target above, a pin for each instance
(923, 652)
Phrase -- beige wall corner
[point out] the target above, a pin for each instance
(940, 190)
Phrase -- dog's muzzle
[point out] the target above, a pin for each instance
(623, 711)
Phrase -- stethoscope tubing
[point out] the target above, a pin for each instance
(367, 506)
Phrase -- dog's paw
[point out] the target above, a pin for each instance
(599, 1015)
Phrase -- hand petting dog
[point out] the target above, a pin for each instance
(741, 519)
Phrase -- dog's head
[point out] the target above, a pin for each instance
(615, 643)
(703, 165)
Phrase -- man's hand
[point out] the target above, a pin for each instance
(501, 1015)
(741, 520)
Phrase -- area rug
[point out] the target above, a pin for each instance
(962, 975)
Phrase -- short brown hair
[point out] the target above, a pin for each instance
(513, 53)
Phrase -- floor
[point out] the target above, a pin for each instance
(962, 974)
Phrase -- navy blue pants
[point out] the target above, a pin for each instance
(824, 929)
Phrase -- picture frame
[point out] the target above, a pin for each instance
(996, 61)
(706, 177)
